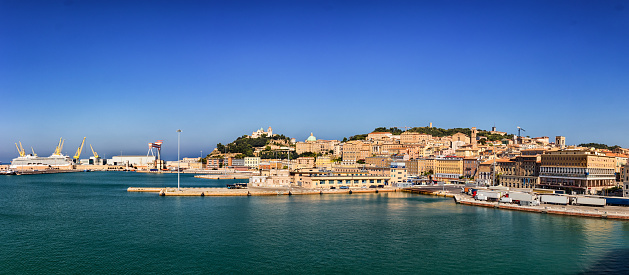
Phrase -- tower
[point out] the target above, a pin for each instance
(473, 138)
(560, 141)
(269, 132)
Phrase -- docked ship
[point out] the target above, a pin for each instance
(56, 161)
(34, 161)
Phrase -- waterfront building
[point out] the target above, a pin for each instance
(519, 172)
(625, 180)
(212, 163)
(412, 167)
(486, 171)
(237, 162)
(470, 166)
(271, 178)
(448, 168)
(326, 179)
(580, 171)
(132, 160)
(398, 173)
(253, 162)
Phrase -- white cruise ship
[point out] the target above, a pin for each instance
(31, 160)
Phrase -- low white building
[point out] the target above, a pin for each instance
(271, 178)
(132, 160)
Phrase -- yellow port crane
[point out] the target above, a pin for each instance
(93, 152)
(20, 150)
(77, 155)
(59, 148)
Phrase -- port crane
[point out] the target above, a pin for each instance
(93, 152)
(20, 150)
(77, 155)
(59, 148)
(519, 135)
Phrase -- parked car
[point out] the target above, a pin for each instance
(344, 187)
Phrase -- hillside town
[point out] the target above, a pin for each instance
(383, 158)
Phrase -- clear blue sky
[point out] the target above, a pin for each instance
(126, 73)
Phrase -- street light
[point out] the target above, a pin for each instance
(178, 162)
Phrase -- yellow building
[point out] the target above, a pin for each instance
(323, 161)
(448, 168)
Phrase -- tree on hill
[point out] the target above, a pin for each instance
(358, 137)
(392, 130)
(439, 132)
(599, 146)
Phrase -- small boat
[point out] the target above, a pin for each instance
(7, 172)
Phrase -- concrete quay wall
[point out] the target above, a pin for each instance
(258, 191)
(607, 212)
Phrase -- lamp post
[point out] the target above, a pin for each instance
(178, 162)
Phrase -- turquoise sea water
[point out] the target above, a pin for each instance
(87, 223)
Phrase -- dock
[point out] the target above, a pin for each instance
(223, 177)
(254, 191)
(606, 212)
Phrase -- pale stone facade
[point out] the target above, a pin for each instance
(581, 171)
(260, 132)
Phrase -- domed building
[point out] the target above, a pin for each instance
(311, 138)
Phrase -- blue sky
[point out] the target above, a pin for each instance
(126, 73)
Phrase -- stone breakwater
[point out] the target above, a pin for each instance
(607, 212)
(254, 191)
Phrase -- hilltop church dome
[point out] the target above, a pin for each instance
(311, 138)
